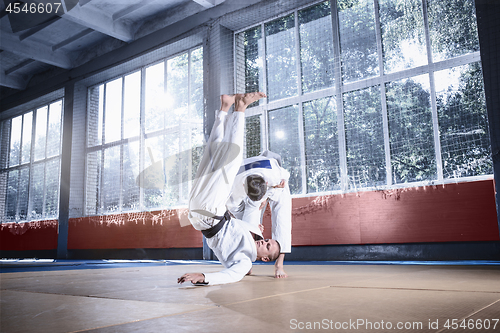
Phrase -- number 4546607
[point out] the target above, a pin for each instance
(477, 324)
(34, 8)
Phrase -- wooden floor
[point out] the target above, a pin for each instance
(102, 296)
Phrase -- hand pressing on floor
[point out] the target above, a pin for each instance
(193, 277)
(279, 272)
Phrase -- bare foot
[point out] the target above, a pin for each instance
(226, 101)
(242, 101)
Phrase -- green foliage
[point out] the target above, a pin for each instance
(410, 131)
(281, 59)
(452, 26)
(252, 40)
(347, 4)
(321, 145)
(283, 135)
(253, 135)
(364, 138)
(463, 126)
(358, 40)
(316, 47)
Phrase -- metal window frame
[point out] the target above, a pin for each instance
(141, 138)
(32, 162)
(340, 88)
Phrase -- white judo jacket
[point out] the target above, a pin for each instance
(233, 245)
(235, 248)
(267, 166)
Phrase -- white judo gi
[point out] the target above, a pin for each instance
(267, 165)
(233, 245)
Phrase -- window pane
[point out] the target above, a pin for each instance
(463, 123)
(37, 185)
(27, 131)
(111, 180)
(358, 40)
(159, 173)
(403, 38)
(284, 140)
(321, 144)
(52, 188)
(250, 61)
(11, 202)
(196, 150)
(113, 111)
(26, 196)
(364, 138)
(132, 106)
(410, 130)
(24, 177)
(197, 108)
(130, 190)
(196, 95)
(15, 140)
(177, 90)
(281, 58)
(176, 168)
(316, 47)
(252, 136)
(253, 59)
(95, 115)
(184, 162)
(93, 183)
(100, 115)
(452, 28)
(155, 97)
(41, 133)
(54, 137)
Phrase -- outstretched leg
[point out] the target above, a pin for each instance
(217, 133)
(214, 180)
(226, 101)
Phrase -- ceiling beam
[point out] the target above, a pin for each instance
(34, 50)
(209, 3)
(72, 39)
(19, 66)
(127, 10)
(93, 18)
(39, 27)
(98, 21)
(12, 81)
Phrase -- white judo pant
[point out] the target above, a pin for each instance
(217, 170)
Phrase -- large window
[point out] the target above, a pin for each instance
(30, 164)
(365, 94)
(144, 136)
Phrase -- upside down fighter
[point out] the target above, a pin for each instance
(232, 240)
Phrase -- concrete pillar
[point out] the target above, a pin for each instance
(488, 26)
(62, 234)
(219, 73)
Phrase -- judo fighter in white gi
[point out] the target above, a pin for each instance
(232, 240)
(262, 180)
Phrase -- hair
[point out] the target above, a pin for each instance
(275, 255)
(256, 187)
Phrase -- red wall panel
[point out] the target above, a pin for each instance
(160, 229)
(38, 235)
(443, 213)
